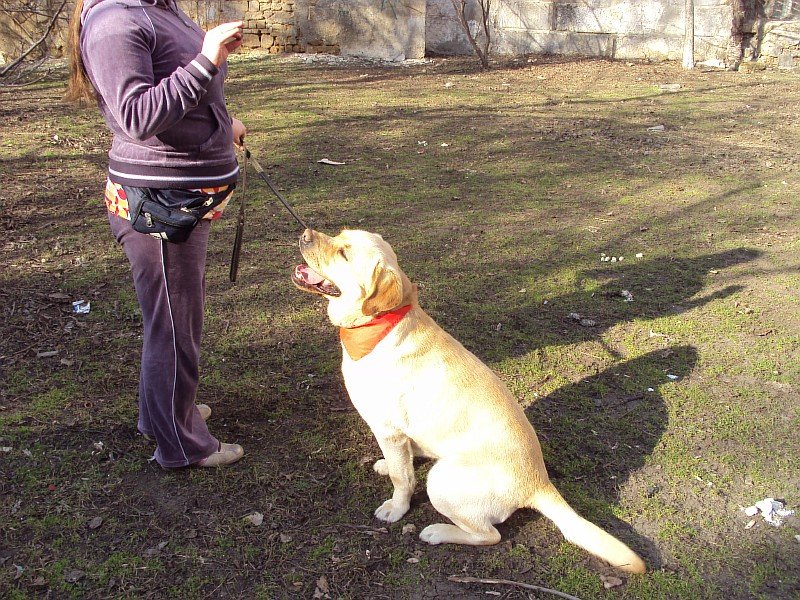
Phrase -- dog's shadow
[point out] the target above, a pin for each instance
(597, 432)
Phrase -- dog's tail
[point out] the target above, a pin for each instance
(582, 533)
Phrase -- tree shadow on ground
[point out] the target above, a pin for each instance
(659, 288)
(595, 434)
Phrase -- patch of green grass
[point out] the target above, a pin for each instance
(191, 587)
(547, 166)
(665, 585)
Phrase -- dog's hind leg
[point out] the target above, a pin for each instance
(460, 494)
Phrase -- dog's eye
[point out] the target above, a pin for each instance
(342, 253)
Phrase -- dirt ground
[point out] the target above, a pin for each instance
(517, 199)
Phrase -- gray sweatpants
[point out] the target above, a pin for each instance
(170, 285)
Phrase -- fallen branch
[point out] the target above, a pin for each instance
(21, 74)
(527, 586)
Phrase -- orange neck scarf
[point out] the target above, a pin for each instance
(361, 340)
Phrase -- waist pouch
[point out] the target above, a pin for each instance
(170, 214)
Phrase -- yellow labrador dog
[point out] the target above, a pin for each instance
(423, 394)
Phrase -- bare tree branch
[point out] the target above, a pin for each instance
(41, 40)
(24, 11)
(460, 6)
(20, 74)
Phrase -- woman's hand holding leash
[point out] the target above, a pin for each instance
(239, 131)
(221, 41)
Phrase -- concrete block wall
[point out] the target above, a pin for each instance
(382, 29)
(623, 29)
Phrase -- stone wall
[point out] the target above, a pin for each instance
(385, 29)
(271, 25)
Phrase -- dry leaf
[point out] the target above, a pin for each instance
(73, 575)
(255, 519)
(323, 589)
(610, 581)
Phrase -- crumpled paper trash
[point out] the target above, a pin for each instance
(773, 511)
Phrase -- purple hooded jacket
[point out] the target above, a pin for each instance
(161, 98)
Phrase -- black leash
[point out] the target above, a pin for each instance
(274, 189)
(237, 242)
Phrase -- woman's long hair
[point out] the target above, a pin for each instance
(79, 88)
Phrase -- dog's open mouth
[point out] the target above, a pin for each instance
(308, 279)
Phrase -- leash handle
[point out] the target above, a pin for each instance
(237, 242)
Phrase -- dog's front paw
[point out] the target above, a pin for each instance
(435, 534)
(390, 512)
(380, 467)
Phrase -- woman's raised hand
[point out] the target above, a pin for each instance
(221, 41)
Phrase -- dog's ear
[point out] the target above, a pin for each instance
(386, 292)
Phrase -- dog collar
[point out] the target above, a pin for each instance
(361, 340)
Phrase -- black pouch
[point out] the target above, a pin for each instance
(170, 214)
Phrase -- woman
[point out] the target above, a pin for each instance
(158, 81)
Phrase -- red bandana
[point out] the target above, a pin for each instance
(361, 340)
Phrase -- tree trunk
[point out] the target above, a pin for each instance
(736, 44)
(460, 7)
(688, 35)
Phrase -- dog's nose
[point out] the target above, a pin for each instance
(307, 237)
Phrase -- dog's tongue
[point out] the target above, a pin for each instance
(308, 275)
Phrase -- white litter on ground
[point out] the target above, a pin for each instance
(772, 510)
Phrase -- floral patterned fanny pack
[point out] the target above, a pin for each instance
(168, 214)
